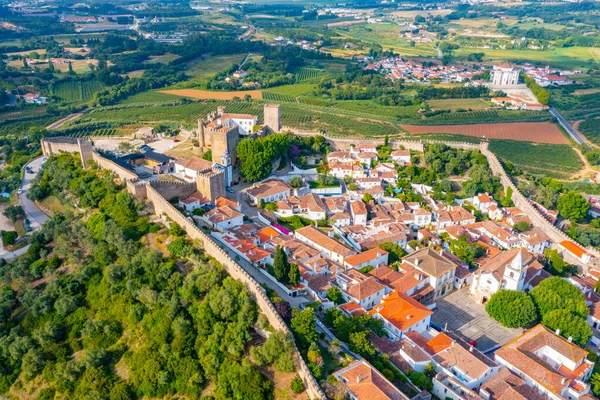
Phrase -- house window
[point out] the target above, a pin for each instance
(512, 274)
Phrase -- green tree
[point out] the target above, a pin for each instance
(595, 383)
(295, 182)
(556, 265)
(297, 385)
(555, 293)
(304, 327)
(207, 155)
(570, 325)
(512, 308)
(523, 226)
(14, 213)
(277, 350)
(359, 343)
(9, 237)
(573, 206)
(335, 294)
(294, 275)
(466, 250)
(281, 265)
(396, 252)
(176, 230)
(367, 198)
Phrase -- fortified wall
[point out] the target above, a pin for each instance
(155, 192)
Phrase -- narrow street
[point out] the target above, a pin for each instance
(36, 217)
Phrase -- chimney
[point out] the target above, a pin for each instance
(417, 261)
(570, 339)
(563, 380)
(471, 349)
(331, 233)
(557, 331)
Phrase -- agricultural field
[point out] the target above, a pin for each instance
(164, 59)
(454, 104)
(484, 116)
(537, 132)
(386, 35)
(74, 91)
(591, 129)
(557, 161)
(151, 97)
(25, 113)
(564, 57)
(209, 95)
(209, 66)
(297, 89)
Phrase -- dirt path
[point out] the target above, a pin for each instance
(63, 121)
(587, 169)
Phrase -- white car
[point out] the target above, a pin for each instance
(20, 191)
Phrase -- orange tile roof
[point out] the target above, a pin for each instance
(438, 343)
(353, 309)
(366, 383)
(520, 353)
(401, 311)
(365, 256)
(316, 236)
(573, 248)
(266, 234)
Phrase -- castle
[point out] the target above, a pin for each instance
(220, 131)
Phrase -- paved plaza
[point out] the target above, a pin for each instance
(459, 313)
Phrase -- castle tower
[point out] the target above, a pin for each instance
(272, 117)
(224, 139)
(211, 183)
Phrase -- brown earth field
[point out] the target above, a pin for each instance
(538, 132)
(206, 94)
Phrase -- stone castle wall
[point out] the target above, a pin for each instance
(163, 207)
(168, 189)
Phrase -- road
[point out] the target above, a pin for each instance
(35, 215)
(563, 122)
(63, 121)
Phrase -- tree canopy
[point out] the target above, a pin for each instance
(512, 308)
(573, 206)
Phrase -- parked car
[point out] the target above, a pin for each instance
(230, 190)
(20, 191)
(27, 225)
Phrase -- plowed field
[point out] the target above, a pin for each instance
(538, 132)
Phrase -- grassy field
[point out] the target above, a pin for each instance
(566, 57)
(209, 66)
(151, 97)
(554, 160)
(388, 36)
(453, 104)
(164, 59)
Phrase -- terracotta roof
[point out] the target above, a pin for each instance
(521, 354)
(362, 289)
(266, 234)
(353, 309)
(366, 383)
(195, 163)
(463, 356)
(365, 256)
(316, 236)
(224, 201)
(497, 265)
(430, 262)
(573, 248)
(319, 282)
(312, 202)
(269, 188)
(221, 214)
(401, 310)
(506, 385)
(401, 153)
(358, 207)
(340, 216)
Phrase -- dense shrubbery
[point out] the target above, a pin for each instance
(119, 302)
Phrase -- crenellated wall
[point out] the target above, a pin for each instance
(168, 189)
(163, 207)
(121, 172)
